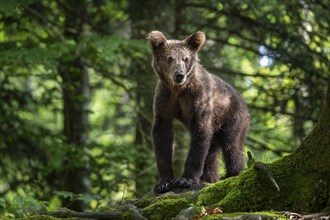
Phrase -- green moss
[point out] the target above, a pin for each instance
(252, 190)
(165, 209)
(248, 193)
(245, 192)
(246, 215)
(126, 215)
(216, 192)
(151, 198)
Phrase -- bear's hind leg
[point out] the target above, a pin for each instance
(231, 143)
(210, 171)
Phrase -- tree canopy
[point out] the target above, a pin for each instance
(76, 88)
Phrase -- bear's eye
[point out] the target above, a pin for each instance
(169, 59)
(186, 59)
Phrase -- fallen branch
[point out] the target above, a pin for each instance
(66, 213)
(90, 215)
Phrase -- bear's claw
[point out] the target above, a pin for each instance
(162, 187)
(167, 186)
(182, 182)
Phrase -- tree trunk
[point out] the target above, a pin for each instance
(75, 111)
(76, 95)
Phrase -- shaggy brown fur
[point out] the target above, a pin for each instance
(211, 109)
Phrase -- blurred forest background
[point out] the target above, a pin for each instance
(76, 89)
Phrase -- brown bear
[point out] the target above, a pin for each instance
(214, 113)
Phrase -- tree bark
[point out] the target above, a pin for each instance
(76, 94)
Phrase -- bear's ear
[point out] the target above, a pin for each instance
(157, 39)
(195, 41)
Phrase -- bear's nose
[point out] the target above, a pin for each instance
(179, 76)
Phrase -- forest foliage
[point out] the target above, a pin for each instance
(76, 89)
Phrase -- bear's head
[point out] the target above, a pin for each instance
(174, 60)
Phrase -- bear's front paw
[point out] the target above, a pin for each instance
(162, 187)
(182, 182)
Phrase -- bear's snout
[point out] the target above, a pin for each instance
(179, 76)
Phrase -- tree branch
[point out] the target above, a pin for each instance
(66, 213)
(88, 215)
